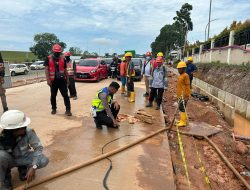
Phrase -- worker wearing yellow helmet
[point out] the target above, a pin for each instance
(123, 71)
(191, 69)
(183, 92)
(130, 77)
(159, 54)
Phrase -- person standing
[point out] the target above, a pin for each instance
(158, 84)
(147, 68)
(159, 54)
(57, 78)
(104, 108)
(2, 90)
(71, 73)
(191, 69)
(130, 77)
(183, 93)
(19, 147)
(123, 71)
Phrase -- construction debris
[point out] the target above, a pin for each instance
(144, 116)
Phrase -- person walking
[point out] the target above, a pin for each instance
(57, 78)
(147, 69)
(104, 108)
(19, 147)
(71, 70)
(191, 69)
(158, 84)
(123, 71)
(183, 93)
(2, 90)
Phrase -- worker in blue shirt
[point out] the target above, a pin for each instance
(191, 69)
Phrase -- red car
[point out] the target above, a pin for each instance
(92, 69)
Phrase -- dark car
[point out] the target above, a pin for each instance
(108, 61)
(138, 67)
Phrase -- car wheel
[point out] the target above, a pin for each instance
(26, 72)
(13, 73)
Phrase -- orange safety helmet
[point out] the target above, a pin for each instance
(148, 53)
(159, 60)
(67, 54)
(57, 48)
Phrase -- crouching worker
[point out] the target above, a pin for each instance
(104, 108)
(158, 84)
(183, 93)
(19, 147)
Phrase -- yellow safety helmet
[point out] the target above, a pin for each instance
(181, 64)
(128, 54)
(123, 59)
(160, 54)
(190, 58)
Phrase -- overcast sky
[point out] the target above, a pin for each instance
(108, 25)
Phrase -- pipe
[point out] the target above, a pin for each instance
(92, 161)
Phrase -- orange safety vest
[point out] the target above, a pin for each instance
(52, 68)
(70, 68)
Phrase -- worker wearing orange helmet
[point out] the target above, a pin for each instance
(57, 78)
(71, 69)
(147, 69)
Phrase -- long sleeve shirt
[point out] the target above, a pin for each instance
(159, 79)
(183, 86)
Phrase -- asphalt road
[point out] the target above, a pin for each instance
(33, 74)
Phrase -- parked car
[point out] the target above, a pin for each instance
(37, 65)
(138, 67)
(91, 69)
(18, 69)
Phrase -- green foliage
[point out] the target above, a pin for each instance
(75, 50)
(86, 54)
(18, 56)
(43, 43)
(183, 17)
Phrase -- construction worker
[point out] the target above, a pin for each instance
(71, 69)
(57, 78)
(123, 71)
(104, 109)
(191, 69)
(147, 69)
(130, 77)
(19, 147)
(183, 92)
(159, 54)
(158, 84)
(2, 90)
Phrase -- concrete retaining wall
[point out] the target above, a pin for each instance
(228, 103)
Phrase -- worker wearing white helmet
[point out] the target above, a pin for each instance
(16, 141)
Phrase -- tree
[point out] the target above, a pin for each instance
(86, 54)
(75, 50)
(43, 43)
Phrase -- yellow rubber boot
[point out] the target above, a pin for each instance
(132, 97)
(123, 90)
(183, 120)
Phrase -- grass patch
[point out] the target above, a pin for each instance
(18, 56)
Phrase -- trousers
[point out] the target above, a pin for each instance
(158, 93)
(130, 85)
(60, 85)
(72, 87)
(3, 98)
(7, 161)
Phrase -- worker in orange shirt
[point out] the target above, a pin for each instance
(183, 93)
(123, 71)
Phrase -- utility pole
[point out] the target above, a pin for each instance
(209, 19)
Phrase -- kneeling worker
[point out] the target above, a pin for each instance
(104, 109)
(19, 147)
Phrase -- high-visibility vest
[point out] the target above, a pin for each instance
(128, 70)
(52, 68)
(70, 69)
(97, 102)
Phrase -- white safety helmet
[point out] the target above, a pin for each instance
(14, 119)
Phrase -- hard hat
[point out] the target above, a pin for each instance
(181, 64)
(67, 54)
(158, 60)
(14, 119)
(160, 54)
(190, 58)
(128, 54)
(123, 59)
(148, 53)
(57, 48)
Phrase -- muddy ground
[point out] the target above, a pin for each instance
(220, 176)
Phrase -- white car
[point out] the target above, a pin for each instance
(18, 69)
(37, 65)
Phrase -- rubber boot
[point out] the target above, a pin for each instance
(132, 97)
(22, 170)
(98, 126)
(183, 120)
(123, 90)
